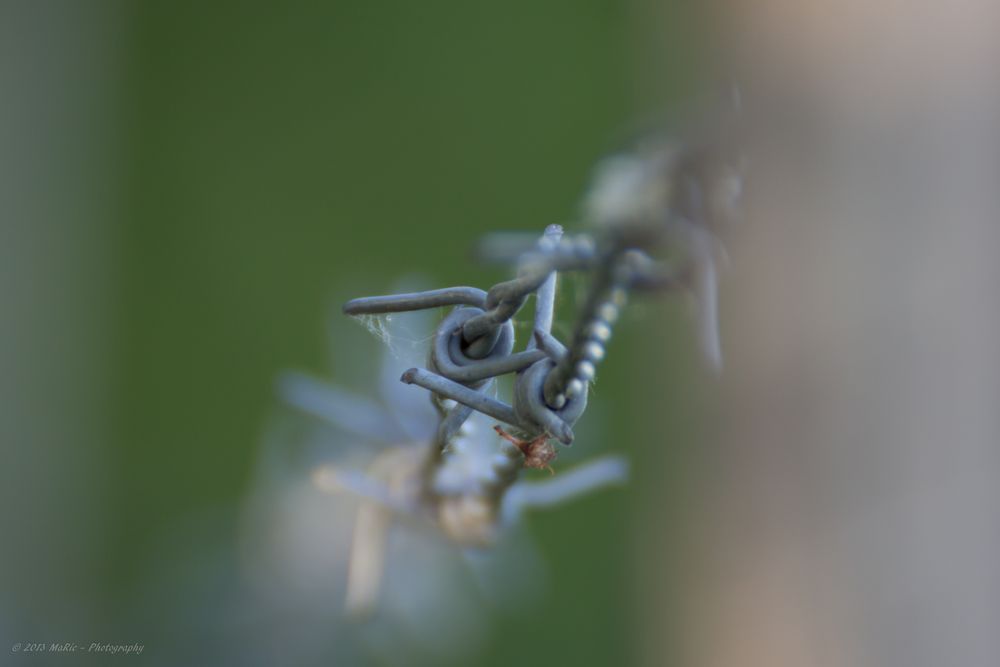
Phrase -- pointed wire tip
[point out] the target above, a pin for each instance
(616, 468)
(564, 435)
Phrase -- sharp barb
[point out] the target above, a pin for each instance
(447, 389)
(397, 303)
(566, 486)
(335, 406)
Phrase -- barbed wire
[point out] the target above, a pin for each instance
(661, 198)
(649, 226)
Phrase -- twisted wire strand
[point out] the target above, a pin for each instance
(577, 366)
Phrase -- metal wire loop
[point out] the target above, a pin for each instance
(449, 359)
(534, 415)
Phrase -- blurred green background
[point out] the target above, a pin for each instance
(269, 158)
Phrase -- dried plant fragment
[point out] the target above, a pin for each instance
(538, 452)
